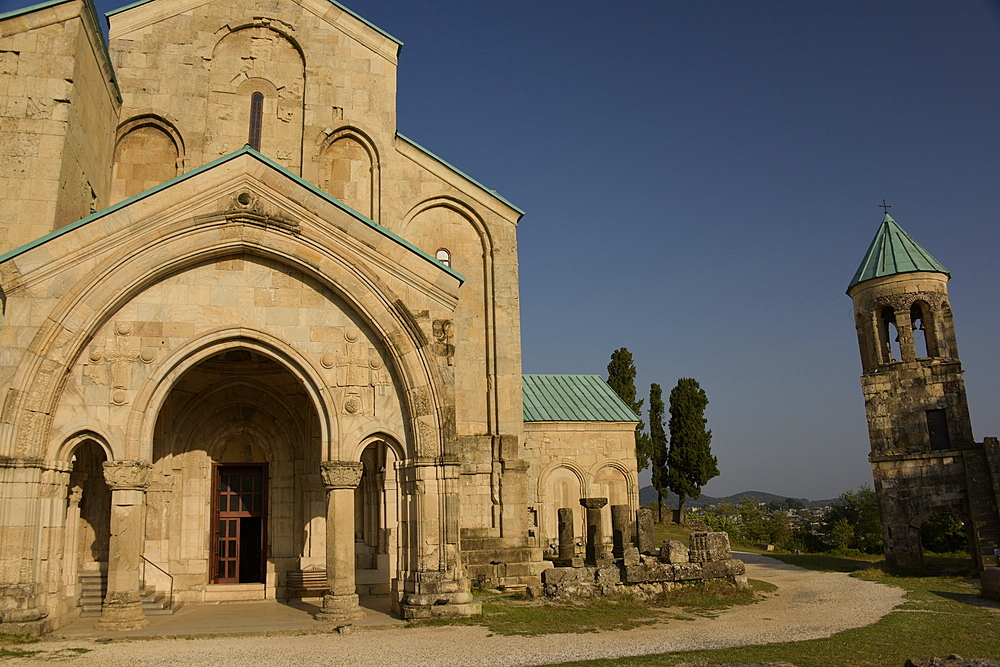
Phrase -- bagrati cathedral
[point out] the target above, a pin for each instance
(256, 344)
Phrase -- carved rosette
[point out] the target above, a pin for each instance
(128, 475)
(341, 474)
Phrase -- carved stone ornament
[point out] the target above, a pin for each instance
(341, 474)
(127, 475)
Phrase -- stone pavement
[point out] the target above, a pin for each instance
(234, 618)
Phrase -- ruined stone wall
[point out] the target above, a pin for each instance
(573, 460)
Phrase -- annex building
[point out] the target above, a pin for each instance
(255, 343)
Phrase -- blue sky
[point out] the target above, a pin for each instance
(701, 180)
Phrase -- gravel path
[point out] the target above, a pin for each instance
(807, 605)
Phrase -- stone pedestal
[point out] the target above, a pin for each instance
(340, 479)
(567, 540)
(122, 608)
(621, 529)
(595, 528)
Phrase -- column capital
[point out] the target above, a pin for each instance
(593, 503)
(128, 475)
(341, 474)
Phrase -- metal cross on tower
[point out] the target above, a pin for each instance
(885, 207)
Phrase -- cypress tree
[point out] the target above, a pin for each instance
(657, 445)
(621, 378)
(689, 461)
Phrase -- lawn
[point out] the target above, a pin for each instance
(935, 621)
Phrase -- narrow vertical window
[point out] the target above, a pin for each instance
(937, 429)
(256, 120)
(443, 256)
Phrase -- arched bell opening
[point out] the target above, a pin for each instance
(889, 336)
(236, 501)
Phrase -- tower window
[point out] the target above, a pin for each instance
(443, 256)
(937, 428)
(256, 120)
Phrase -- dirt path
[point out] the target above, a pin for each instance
(807, 605)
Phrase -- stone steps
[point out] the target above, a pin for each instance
(94, 586)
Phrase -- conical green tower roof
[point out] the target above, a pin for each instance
(894, 251)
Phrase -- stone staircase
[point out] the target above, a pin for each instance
(982, 507)
(94, 586)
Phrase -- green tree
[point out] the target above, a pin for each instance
(657, 445)
(855, 522)
(621, 378)
(690, 462)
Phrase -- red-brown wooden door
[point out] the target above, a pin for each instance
(239, 502)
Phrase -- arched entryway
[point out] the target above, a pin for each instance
(236, 500)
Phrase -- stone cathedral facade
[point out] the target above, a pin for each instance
(255, 343)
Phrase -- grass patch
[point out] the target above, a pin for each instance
(515, 616)
(670, 531)
(9, 646)
(826, 562)
(934, 621)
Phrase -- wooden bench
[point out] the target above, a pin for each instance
(312, 581)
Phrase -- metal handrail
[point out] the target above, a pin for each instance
(170, 595)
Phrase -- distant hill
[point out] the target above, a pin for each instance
(647, 496)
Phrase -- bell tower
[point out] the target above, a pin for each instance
(912, 381)
(924, 458)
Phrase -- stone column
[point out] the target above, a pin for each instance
(567, 540)
(644, 539)
(595, 527)
(621, 529)
(340, 479)
(122, 609)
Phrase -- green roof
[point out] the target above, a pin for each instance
(893, 251)
(572, 398)
(246, 150)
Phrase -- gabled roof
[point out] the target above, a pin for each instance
(246, 150)
(893, 251)
(572, 398)
(332, 2)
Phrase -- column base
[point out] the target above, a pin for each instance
(124, 615)
(414, 612)
(340, 608)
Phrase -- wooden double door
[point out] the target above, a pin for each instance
(239, 520)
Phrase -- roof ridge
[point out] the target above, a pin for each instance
(893, 251)
(245, 150)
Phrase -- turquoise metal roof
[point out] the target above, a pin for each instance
(893, 251)
(572, 398)
(246, 150)
(332, 2)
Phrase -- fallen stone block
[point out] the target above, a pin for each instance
(991, 583)
(709, 546)
(952, 661)
(673, 551)
(687, 571)
(724, 568)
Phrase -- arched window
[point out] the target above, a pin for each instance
(889, 336)
(256, 120)
(924, 337)
(443, 256)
